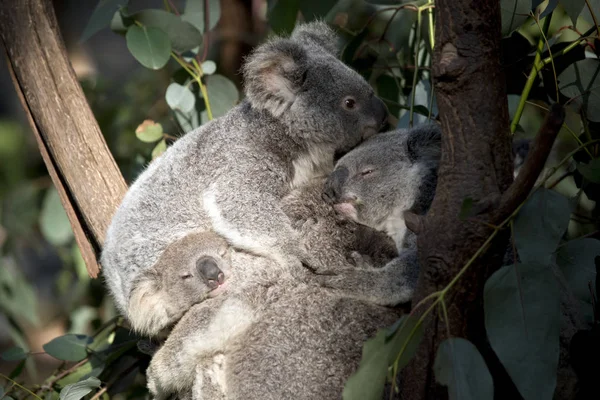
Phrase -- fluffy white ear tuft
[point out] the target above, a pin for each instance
(146, 310)
(317, 34)
(274, 74)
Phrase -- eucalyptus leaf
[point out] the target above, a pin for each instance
(525, 334)
(459, 366)
(590, 171)
(77, 391)
(69, 347)
(159, 149)
(101, 17)
(540, 224)
(282, 16)
(549, 8)
(54, 223)
(149, 131)
(194, 13)
(150, 46)
(120, 22)
(405, 338)
(209, 67)
(513, 13)
(581, 82)
(222, 95)
(316, 9)
(14, 354)
(182, 34)
(576, 260)
(180, 97)
(573, 8)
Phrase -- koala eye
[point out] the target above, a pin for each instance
(366, 171)
(349, 103)
(187, 276)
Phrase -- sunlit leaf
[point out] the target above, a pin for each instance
(222, 94)
(581, 82)
(101, 17)
(159, 149)
(183, 35)
(460, 366)
(149, 131)
(14, 354)
(180, 97)
(150, 46)
(54, 223)
(525, 334)
(69, 347)
(208, 67)
(77, 391)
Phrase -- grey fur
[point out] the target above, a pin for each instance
(230, 175)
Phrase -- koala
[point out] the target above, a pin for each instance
(188, 272)
(271, 336)
(302, 106)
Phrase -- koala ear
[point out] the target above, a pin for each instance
(146, 309)
(274, 74)
(424, 143)
(317, 33)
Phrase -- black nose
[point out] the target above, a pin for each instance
(333, 185)
(209, 271)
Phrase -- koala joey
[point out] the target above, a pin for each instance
(192, 269)
(302, 106)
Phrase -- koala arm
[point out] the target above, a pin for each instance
(204, 329)
(389, 285)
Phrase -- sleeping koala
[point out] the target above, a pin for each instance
(302, 106)
(188, 272)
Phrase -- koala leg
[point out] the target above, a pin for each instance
(204, 329)
(390, 285)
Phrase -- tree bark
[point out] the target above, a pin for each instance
(73, 148)
(476, 163)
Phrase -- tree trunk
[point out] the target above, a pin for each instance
(81, 166)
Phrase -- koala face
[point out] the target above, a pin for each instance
(302, 83)
(189, 271)
(388, 174)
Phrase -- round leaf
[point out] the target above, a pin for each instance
(581, 82)
(540, 225)
(149, 131)
(54, 223)
(180, 98)
(101, 17)
(209, 67)
(222, 95)
(183, 35)
(77, 391)
(194, 13)
(14, 354)
(160, 148)
(573, 8)
(69, 347)
(150, 46)
(459, 366)
(525, 334)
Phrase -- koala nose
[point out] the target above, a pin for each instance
(210, 272)
(334, 183)
(380, 110)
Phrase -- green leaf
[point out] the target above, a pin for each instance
(77, 391)
(459, 366)
(315, 9)
(282, 16)
(368, 381)
(69, 347)
(590, 171)
(401, 337)
(581, 82)
(514, 13)
(54, 223)
(149, 131)
(222, 95)
(180, 98)
(209, 67)
(17, 297)
(101, 17)
(14, 354)
(160, 148)
(150, 46)
(194, 13)
(183, 35)
(573, 8)
(120, 22)
(576, 260)
(525, 334)
(18, 370)
(540, 225)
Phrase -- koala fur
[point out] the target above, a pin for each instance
(302, 106)
(269, 336)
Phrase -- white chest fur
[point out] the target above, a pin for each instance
(317, 161)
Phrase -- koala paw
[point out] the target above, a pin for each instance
(360, 261)
(164, 376)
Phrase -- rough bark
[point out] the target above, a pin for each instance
(80, 164)
(476, 163)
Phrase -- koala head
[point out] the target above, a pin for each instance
(388, 174)
(301, 82)
(189, 271)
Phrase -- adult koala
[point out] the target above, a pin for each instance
(302, 106)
